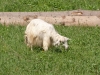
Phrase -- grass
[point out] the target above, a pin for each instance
(47, 5)
(82, 57)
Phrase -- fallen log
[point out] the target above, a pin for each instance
(67, 18)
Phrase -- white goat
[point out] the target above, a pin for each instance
(43, 34)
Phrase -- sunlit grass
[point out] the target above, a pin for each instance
(82, 57)
(48, 5)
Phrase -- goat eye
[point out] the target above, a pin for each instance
(60, 41)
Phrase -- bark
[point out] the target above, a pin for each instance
(67, 18)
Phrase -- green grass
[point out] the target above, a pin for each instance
(48, 5)
(82, 57)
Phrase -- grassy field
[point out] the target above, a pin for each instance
(48, 5)
(82, 57)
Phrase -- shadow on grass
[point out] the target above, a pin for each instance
(36, 49)
(51, 49)
(59, 49)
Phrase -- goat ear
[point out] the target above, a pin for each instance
(68, 39)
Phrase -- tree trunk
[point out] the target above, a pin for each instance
(67, 18)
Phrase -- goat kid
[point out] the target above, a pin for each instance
(43, 34)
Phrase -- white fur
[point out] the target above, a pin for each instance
(43, 34)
